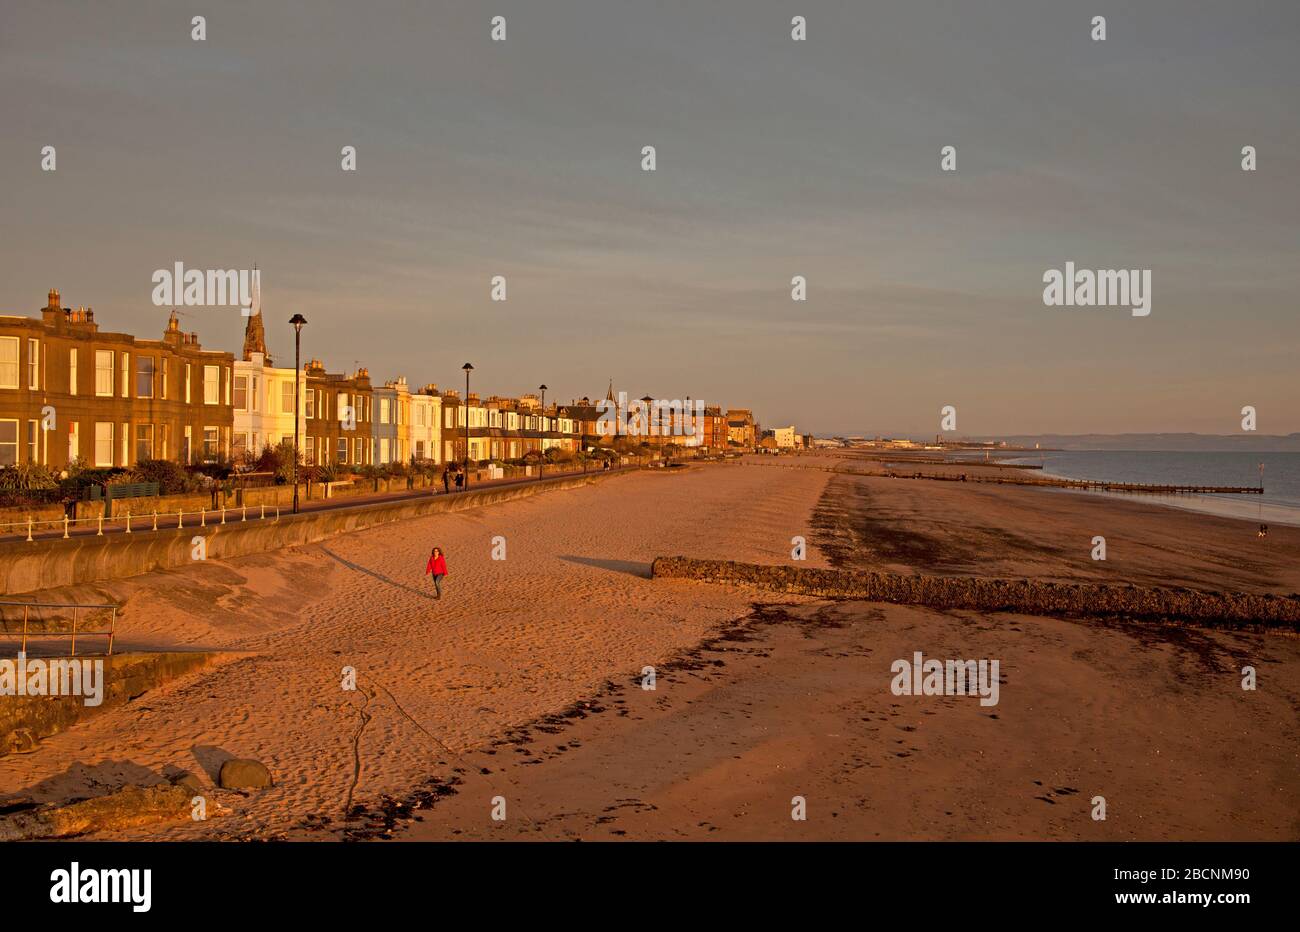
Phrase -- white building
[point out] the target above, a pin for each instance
(785, 437)
(426, 424)
(264, 405)
(392, 434)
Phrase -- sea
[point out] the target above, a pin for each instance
(1280, 503)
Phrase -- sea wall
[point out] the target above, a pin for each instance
(49, 563)
(25, 720)
(1023, 596)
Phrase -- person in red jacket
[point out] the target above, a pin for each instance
(438, 567)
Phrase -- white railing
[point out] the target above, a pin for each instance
(131, 524)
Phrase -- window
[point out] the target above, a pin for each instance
(126, 374)
(74, 441)
(186, 440)
(341, 404)
(33, 441)
(143, 442)
(33, 364)
(9, 438)
(309, 409)
(383, 444)
(72, 371)
(103, 444)
(343, 449)
(257, 395)
(9, 367)
(164, 383)
(229, 380)
(311, 449)
(359, 451)
(287, 405)
(211, 441)
(211, 387)
(419, 448)
(103, 372)
(144, 377)
(383, 413)
(125, 443)
(187, 388)
(241, 393)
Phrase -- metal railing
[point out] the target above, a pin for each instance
(77, 608)
(130, 523)
(204, 517)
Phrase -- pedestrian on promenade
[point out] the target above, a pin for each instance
(437, 565)
(460, 480)
(446, 479)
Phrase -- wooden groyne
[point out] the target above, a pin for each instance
(1091, 484)
(1096, 485)
(1022, 596)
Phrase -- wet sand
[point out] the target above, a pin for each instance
(795, 702)
(753, 705)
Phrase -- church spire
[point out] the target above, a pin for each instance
(254, 332)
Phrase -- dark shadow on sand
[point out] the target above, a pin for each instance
(106, 776)
(210, 758)
(379, 576)
(631, 567)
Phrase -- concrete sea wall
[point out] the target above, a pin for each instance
(25, 720)
(1023, 596)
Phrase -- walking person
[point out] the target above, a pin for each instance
(460, 480)
(437, 565)
(446, 480)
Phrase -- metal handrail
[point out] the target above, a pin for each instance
(76, 607)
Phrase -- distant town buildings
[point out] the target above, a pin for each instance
(786, 438)
(741, 429)
(70, 392)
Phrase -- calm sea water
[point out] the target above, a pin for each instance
(1279, 504)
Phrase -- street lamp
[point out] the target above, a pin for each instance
(297, 320)
(468, 369)
(541, 463)
(647, 406)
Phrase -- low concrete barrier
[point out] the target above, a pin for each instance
(25, 720)
(49, 563)
(1024, 596)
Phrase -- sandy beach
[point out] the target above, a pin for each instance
(524, 681)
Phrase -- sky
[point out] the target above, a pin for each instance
(774, 158)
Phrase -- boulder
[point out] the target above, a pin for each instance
(187, 780)
(244, 774)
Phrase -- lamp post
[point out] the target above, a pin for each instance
(647, 407)
(468, 369)
(541, 463)
(297, 320)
